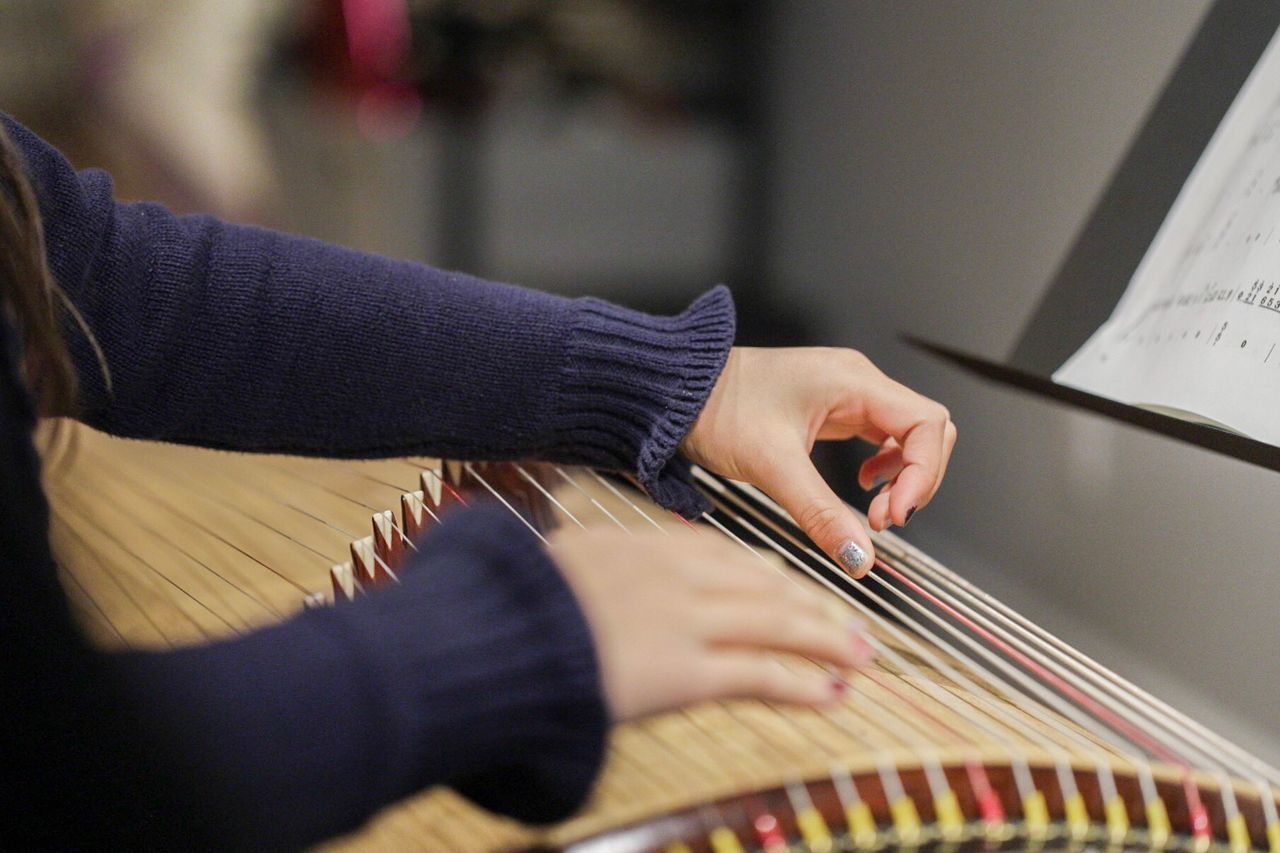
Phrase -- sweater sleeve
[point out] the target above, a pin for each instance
(239, 337)
(477, 671)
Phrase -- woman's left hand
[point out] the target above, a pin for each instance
(770, 405)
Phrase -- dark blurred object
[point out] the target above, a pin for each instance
(361, 49)
(662, 56)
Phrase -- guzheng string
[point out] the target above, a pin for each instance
(909, 733)
(1043, 666)
(766, 826)
(1127, 727)
(1104, 773)
(885, 719)
(497, 494)
(1115, 805)
(1172, 720)
(533, 481)
(590, 497)
(404, 537)
(946, 669)
(936, 779)
(1076, 667)
(988, 668)
(211, 496)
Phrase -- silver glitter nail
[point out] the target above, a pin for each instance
(851, 556)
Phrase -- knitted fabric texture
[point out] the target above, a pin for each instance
(238, 337)
(477, 672)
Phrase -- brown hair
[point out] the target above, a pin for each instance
(29, 297)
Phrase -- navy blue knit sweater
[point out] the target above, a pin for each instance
(479, 673)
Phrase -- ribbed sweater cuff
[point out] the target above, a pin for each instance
(492, 673)
(634, 384)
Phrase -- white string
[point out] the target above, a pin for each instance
(1021, 770)
(602, 481)
(546, 494)
(574, 483)
(1170, 718)
(482, 481)
(1145, 773)
(928, 757)
(887, 605)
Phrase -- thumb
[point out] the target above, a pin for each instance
(826, 519)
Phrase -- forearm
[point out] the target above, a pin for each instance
(237, 337)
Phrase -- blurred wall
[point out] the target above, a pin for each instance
(935, 161)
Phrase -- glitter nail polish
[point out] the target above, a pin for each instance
(851, 556)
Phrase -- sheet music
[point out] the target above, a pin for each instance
(1197, 332)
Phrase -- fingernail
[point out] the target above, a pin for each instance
(863, 652)
(852, 557)
(878, 482)
(910, 513)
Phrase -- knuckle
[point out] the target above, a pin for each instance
(736, 680)
(772, 681)
(819, 519)
(793, 625)
(750, 677)
(855, 358)
(843, 359)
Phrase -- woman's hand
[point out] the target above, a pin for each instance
(687, 617)
(769, 407)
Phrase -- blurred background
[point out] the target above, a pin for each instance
(852, 169)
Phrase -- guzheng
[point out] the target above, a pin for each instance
(975, 728)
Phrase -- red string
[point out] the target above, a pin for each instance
(989, 804)
(1199, 817)
(453, 492)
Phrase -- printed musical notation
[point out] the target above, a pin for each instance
(1197, 332)
(1154, 326)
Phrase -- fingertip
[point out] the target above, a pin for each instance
(903, 505)
(872, 476)
(864, 653)
(878, 512)
(823, 690)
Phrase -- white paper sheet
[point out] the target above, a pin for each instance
(1197, 332)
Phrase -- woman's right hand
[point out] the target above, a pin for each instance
(688, 617)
